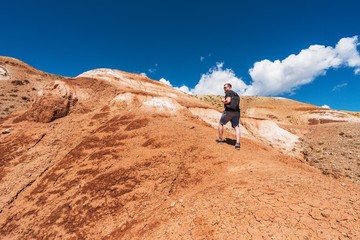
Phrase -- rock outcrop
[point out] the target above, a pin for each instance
(4, 75)
(55, 101)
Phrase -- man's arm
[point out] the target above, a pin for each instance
(226, 100)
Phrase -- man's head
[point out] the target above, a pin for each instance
(227, 87)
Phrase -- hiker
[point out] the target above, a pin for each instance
(231, 113)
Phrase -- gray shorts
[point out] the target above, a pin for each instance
(233, 117)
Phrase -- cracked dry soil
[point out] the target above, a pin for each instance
(122, 180)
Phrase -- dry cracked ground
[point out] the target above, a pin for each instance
(115, 155)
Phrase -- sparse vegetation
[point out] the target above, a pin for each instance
(213, 100)
(271, 116)
(356, 114)
(17, 82)
(338, 148)
(25, 98)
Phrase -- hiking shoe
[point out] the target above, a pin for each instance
(219, 140)
(237, 146)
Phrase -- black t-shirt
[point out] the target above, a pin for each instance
(232, 95)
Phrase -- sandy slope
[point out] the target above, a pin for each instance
(128, 158)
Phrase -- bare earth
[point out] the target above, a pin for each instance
(115, 155)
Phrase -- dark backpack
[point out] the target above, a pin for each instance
(235, 101)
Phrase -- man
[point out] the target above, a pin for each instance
(231, 113)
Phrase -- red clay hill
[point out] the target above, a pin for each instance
(116, 155)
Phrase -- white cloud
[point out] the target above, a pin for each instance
(213, 81)
(347, 50)
(339, 86)
(202, 58)
(285, 76)
(153, 69)
(325, 106)
(184, 89)
(281, 76)
(163, 80)
(273, 78)
(144, 74)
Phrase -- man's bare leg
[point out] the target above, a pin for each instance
(237, 134)
(221, 131)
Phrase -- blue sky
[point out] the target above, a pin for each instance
(198, 45)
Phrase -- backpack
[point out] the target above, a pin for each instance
(235, 101)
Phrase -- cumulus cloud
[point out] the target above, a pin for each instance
(271, 78)
(184, 89)
(285, 76)
(347, 50)
(213, 81)
(167, 82)
(325, 106)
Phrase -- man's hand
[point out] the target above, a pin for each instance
(227, 100)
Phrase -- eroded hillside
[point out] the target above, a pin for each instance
(329, 139)
(116, 155)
